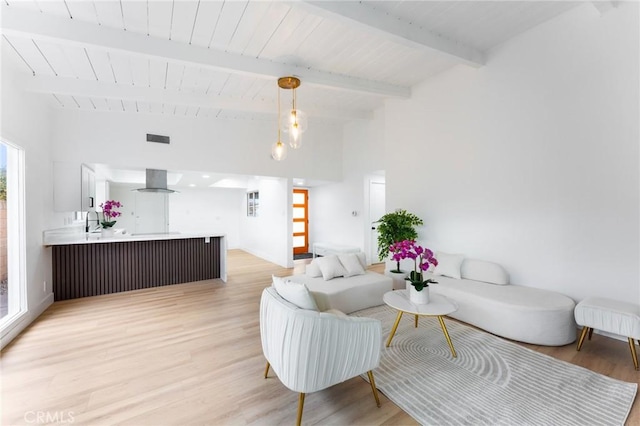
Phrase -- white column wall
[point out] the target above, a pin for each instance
(331, 206)
(26, 122)
(532, 161)
(269, 235)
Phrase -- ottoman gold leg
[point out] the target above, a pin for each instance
(582, 336)
(395, 327)
(634, 355)
(590, 332)
(416, 322)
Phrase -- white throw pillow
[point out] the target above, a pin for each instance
(363, 259)
(351, 265)
(312, 270)
(296, 293)
(330, 267)
(448, 264)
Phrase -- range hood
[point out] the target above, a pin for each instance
(156, 181)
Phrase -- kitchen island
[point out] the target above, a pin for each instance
(86, 264)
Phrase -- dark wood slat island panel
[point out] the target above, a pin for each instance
(81, 270)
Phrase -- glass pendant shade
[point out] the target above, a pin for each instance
(295, 138)
(294, 116)
(279, 151)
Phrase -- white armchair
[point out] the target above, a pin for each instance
(310, 351)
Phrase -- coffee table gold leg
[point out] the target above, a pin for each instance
(416, 321)
(446, 334)
(395, 327)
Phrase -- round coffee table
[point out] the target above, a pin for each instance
(438, 306)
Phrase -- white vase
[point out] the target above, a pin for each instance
(418, 297)
(106, 232)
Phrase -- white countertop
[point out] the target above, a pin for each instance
(57, 238)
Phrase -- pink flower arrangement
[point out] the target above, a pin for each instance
(422, 260)
(109, 212)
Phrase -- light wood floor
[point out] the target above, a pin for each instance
(191, 354)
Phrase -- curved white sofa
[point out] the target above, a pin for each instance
(342, 283)
(487, 300)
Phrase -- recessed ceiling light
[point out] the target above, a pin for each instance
(206, 176)
(192, 184)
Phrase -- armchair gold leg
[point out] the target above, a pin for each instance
(634, 355)
(266, 370)
(582, 336)
(300, 407)
(372, 382)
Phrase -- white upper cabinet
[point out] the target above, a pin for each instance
(74, 187)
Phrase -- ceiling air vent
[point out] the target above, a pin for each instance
(157, 138)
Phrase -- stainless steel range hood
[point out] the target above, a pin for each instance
(156, 181)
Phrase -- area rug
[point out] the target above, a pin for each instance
(491, 382)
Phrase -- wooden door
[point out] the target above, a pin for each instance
(300, 221)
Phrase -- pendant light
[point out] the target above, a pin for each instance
(278, 149)
(295, 122)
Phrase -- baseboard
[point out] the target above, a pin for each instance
(24, 320)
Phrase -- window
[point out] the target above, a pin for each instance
(12, 235)
(253, 202)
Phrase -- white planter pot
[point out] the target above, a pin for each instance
(106, 232)
(418, 297)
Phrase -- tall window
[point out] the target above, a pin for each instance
(4, 271)
(253, 202)
(12, 234)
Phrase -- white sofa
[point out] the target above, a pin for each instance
(349, 289)
(486, 300)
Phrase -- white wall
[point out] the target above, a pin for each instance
(26, 122)
(331, 206)
(197, 144)
(269, 235)
(213, 210)
(532, 161)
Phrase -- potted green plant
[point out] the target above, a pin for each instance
(395, 227)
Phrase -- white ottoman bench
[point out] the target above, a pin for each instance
(621, 318)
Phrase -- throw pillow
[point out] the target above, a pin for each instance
(352, 265)
(363, 259)
(312, 270)
(330, 267)
(296, 293)
(448, 264)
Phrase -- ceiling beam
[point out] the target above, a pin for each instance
(603, 6)
(394, 29)
(104, 90)
(25, 23)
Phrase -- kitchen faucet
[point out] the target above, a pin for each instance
(86, 226)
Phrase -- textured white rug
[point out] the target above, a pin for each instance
(491, 382)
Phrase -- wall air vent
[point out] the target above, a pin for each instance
(157, 138)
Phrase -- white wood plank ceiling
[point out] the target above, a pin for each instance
(222, 58)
